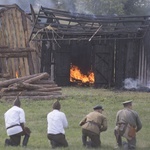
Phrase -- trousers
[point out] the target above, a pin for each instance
(15, 139)
(57, 140)
(94, 139)
(130, 145)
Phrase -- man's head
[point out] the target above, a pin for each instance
(17, 102)
(56, 105)
(98, 108)
(128, 104)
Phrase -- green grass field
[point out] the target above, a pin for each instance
(78, 102)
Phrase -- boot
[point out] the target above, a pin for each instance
(7, 142)
(53, 144)
(25, 140)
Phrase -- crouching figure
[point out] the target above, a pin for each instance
(127, 125)
(92, 125)
(14, 123)
(56, 124)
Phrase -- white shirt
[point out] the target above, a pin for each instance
(15, 115)
(56, 122)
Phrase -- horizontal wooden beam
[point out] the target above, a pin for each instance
(14, 55)
(86, 39)
(93, 20)
(15, 50)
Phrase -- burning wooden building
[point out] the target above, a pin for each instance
(109, 49)
(72, 47)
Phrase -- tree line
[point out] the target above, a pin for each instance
(105, 7)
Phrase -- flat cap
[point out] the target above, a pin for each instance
(127, 102)
(98, 107)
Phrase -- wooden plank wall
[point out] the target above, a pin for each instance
(119, 62)
(127, 60)
(62, 64)
(104, 63)
(132, 59)
(14, 33)
(144, 60)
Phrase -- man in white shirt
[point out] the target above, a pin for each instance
(14, 123)
(57, 122)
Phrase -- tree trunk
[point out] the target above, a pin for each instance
(44, 82)
(44, 75)
(6, 83)
(49, 89)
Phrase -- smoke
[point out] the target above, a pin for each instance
(148, 84)
(130, 83)
(25, 4)
(82, 8)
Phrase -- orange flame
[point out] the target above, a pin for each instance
(75, 74)
(17, 74)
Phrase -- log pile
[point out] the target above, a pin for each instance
(34, 87)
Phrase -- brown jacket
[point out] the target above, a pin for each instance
(95, 122)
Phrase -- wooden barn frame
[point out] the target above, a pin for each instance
(45, 42)
(119, 45)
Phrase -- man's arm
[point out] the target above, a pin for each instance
(22, 125)
(83, 121)
(138, 123)
(104, 125)
(65, 121)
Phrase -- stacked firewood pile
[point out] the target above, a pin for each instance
(34, 87)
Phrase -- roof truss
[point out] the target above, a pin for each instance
(62, 25)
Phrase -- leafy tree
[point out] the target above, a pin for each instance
(136, 7)
(95, 7)
(113, 7)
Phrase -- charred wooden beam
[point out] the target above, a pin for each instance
(33, 14)
(86, 39)
(96, 20)
(88, 32)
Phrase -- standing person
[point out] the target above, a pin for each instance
(127, 124)
(57, 122)
(14, 123)
(92, 125)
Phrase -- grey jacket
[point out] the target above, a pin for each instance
(130, 116)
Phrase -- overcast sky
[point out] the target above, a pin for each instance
(25, 4)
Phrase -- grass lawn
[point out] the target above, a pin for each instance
(78, 102)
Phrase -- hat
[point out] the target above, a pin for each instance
(56, 105)
(17, 101)
(127, 102)
(98, 107)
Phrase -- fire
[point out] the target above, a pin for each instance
(75, 75)
(17, 74)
